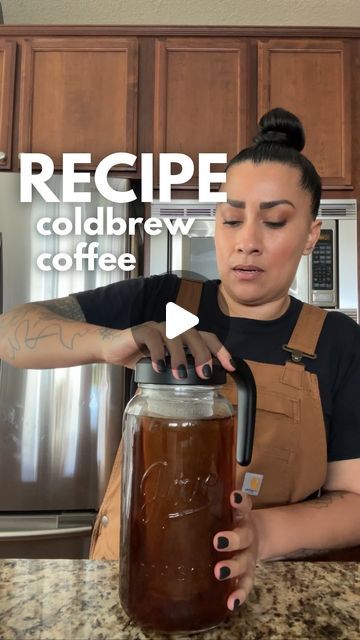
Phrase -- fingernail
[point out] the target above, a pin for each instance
(182, 371)
(222, 542)
(237, 497)
(236, 603)
(224, 573)
(161, 364)
(207, 371)
(233, 364)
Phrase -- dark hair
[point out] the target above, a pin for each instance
(281, 138)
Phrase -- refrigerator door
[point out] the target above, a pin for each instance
(59, 428)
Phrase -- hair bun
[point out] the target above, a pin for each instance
(279, 126)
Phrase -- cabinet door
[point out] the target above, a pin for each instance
(200, 96)
(311, 78)
(79, 95)
(7, 83)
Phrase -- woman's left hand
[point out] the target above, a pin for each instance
(244, 540)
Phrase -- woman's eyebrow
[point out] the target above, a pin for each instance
(240, 204)
(275, 203)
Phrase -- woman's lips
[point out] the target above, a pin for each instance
(248, 272)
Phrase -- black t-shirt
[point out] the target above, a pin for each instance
(131, 302)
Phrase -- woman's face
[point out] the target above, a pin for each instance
(261, 232)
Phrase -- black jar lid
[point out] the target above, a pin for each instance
(145, 374)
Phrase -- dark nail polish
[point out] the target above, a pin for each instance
(236, 603)
(161, 364)
(222, 542)
(182, 371)
(207, 371)
(237, 497)
(233, 363)
(224, 573)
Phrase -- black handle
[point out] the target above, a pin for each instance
(246, 410)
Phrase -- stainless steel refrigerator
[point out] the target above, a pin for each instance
(59, 428)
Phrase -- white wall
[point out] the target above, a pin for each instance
(184, 12)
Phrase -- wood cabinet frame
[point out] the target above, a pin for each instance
(8, 51)
(267, 48)
(169, 45)
(32, 46)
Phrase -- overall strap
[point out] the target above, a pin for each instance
(306, 333)
(304, 337)
(189, 295)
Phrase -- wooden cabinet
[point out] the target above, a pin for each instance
(311, 78)
(105, 90)
(7, 83)
(79, 95)
(200, 96)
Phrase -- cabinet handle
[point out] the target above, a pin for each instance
(2, 155)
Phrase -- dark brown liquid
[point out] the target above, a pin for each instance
(177, 479)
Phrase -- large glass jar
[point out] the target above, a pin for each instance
(177, 474)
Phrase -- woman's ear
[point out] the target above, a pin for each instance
(313, 237)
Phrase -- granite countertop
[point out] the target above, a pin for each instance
(78, 600)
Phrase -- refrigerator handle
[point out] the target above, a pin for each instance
(44, 533)
(1, 281)
(1, 275)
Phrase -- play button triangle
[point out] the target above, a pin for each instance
(178, 320)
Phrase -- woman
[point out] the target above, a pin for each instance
(266, 225)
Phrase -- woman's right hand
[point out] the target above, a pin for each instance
(126, 347)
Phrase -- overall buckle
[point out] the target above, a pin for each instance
(297, 355)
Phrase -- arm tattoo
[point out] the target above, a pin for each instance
(323, 502)
(301, 554)
(107, 333)
(22, 328)
(65, 307)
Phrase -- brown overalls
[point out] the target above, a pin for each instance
(290, 454)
